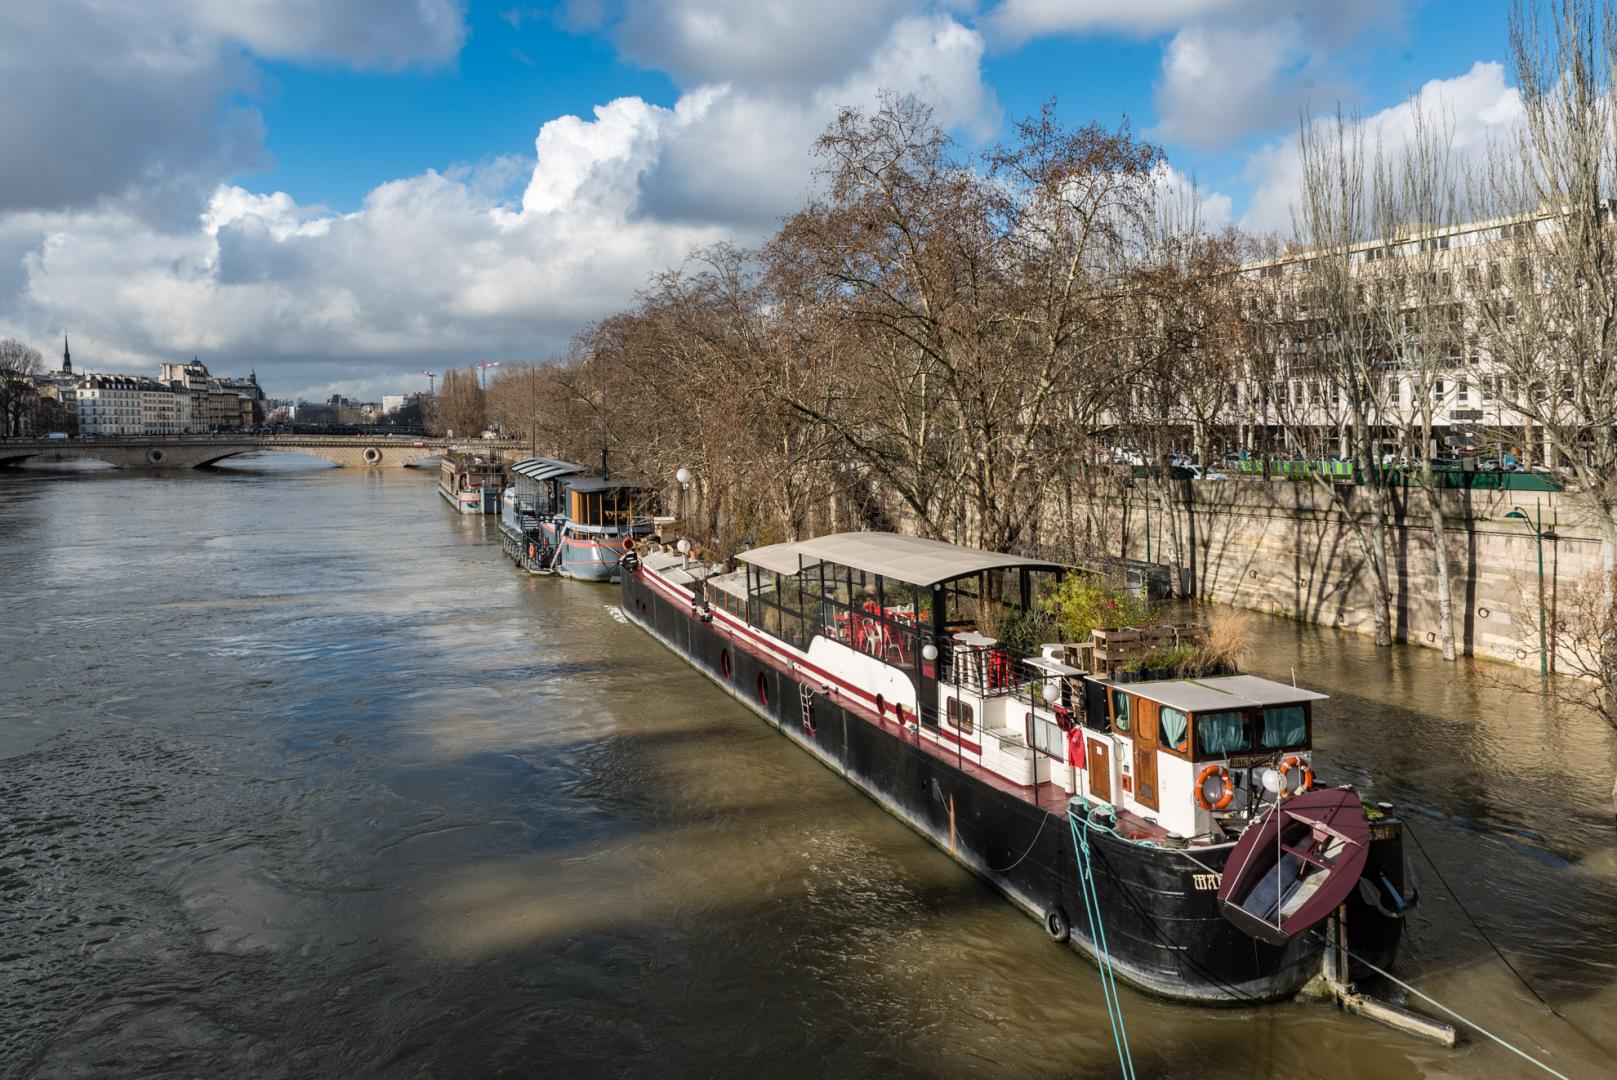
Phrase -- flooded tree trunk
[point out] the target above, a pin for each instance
(1440, 558)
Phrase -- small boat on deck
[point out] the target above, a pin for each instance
(471, 483)
(1088, 794)
(1291, 870)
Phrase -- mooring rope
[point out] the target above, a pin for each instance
(1029, 850)
(1097, 935)
(1468, 1023)
(1476, 925)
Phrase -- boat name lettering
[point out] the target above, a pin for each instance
(1206, 882)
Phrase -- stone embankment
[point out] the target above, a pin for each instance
(1283, 547)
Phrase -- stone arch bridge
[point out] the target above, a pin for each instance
(199, 451)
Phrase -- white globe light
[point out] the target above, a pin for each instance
(683, 476)
(684, 546)
(1051, 691)
(929, 651)
(1270, 779)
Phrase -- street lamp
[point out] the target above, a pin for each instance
(683, 476)
(1536, 523)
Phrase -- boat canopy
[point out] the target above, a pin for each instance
(911, 559)
(1225, 693)
(541, 468)
(592, 484)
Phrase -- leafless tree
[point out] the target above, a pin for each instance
(19, 363)
(1323, 360)
(1411, 289)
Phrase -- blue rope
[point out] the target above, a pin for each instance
(1097, 935)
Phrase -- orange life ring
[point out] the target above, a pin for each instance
(1224, 798)
(1286, 766)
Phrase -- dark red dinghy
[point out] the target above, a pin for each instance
(1292, 869)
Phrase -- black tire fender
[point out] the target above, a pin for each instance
(1056, 925)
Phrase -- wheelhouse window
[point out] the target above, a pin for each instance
(1221, 734)
(1120, 711)
(1174, 733)
(1284, 727)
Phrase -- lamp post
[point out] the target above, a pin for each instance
(682, 476)
(1536, 523)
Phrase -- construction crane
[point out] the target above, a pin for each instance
(431, 383)
(482, 379)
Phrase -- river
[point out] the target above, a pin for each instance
(300, 778)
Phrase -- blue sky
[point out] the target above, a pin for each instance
(336, 133)
(341, 192)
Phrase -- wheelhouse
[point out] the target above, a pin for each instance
(597, 504)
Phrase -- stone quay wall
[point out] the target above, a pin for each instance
(1284, 548)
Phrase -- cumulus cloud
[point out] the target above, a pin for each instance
(1480, 107)
(780, 44)
(448, 267)
(132, 98)
(1229, 67)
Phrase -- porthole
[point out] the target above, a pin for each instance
(724, 663)
(763, 689)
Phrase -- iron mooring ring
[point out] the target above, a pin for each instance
(371, 455)
(155, 456)
(1482, 613)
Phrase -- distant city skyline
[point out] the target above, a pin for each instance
(343, 194)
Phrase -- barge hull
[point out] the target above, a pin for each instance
(1163, 928)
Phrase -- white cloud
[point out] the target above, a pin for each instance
(1229, 67)
(1023, 19)
(130, 98)
(778, 44)
(450, 267)
(1480, 106)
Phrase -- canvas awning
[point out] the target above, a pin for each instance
(540, 468)
(1224, 693)
(911, 559)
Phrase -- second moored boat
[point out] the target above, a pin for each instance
(557, 520)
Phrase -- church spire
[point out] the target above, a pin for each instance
(67, 357)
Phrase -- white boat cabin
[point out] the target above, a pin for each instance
(905, 627)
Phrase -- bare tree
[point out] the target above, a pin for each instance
(458, 405)
(19, 364)
(1411, 292)
(1323, 359)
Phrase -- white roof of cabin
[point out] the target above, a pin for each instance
(911, 559)
(1219, 693)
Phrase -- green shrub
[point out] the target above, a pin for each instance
(1081, 603)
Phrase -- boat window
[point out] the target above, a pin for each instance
(1284, 726)
(1220, 734)
(961, 714)
(1175, 733)
(1120, 711)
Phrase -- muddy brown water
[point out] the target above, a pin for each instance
(299, 778)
